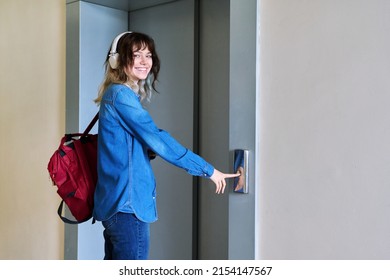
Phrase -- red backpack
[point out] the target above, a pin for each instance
(73, 169)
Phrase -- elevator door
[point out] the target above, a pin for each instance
(172, 27)
(207, 101)
(200, 44)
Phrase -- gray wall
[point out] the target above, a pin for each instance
(227, 122)
(324, 115)
(242, 123)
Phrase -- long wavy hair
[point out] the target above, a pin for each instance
(127, 45)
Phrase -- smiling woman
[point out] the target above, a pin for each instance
(125, 196)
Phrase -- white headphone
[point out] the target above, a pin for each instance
(113, 56)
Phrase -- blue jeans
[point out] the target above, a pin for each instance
(126, 238)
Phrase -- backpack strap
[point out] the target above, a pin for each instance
(91, 124)
(66, 220)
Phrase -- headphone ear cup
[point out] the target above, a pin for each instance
(114, 56)
(113, 60)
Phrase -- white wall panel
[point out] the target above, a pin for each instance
(90, 31)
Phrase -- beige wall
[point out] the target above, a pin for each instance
(324, 129)
(32, 100)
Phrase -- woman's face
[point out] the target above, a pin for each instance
(141, 66)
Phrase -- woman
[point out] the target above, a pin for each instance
(125, 192)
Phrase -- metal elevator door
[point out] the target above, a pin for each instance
(203, 44)
(172, 28)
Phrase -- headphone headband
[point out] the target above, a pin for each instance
(113, 56)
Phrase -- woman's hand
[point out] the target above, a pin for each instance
(219, 180)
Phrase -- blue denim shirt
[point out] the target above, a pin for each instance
(125, 178)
